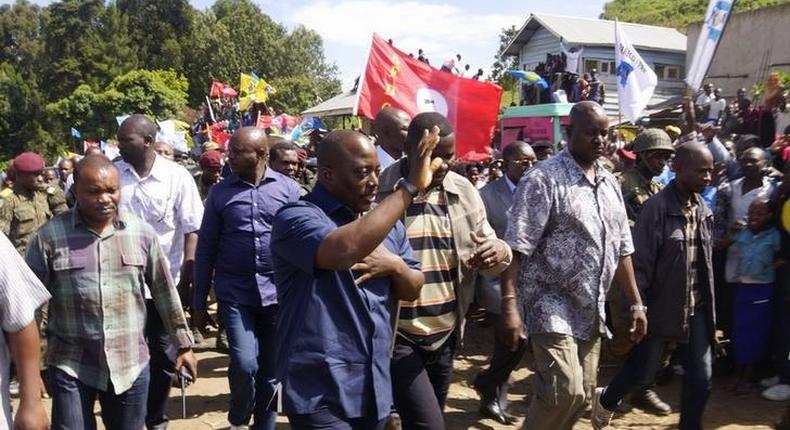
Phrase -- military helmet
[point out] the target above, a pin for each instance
(652, 139)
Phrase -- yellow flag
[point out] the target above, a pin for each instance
(253, 90)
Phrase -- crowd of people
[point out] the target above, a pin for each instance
(346, 271)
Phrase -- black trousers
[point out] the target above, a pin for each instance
(420, 381)
(163, 364)
(493, 383)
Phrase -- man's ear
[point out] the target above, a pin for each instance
(326, 174)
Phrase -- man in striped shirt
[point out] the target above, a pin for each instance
(450, 235)
(95, 261)
(21, 293)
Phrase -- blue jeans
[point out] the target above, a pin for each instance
(640, 368)
(251, 331)
(72, 403)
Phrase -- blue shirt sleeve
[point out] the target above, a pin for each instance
(297, 231)
(206, 251)
(404, 247)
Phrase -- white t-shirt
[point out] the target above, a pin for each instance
(21, 293)
(703, 100)
(572, 59)
(716, 107)
(168, 200)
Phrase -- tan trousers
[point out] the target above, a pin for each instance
(566, 371)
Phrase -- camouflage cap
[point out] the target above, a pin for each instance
(652, 139)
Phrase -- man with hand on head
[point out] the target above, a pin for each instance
(339, 266)
(448, 229)
(389, 128)
(96, 261)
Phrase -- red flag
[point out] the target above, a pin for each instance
(392, 78)
(221, 89)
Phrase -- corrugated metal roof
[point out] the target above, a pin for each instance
(341, 104)
(598, 32)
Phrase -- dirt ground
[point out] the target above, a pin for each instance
(207, 400)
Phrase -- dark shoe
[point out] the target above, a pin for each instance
(494, 411)
(649, 401)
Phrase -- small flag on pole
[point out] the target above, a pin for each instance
(75, 133)
(636, 81)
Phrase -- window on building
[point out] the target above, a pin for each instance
(602, 66)
(668, 72)
(589, 65)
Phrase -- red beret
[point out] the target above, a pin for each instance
(211, 159)
(630, 155)
(28, 162)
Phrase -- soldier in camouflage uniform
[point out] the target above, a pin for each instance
(653, 148)
(31, 204)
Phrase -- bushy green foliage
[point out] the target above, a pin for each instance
(671, 13)
(79, 63)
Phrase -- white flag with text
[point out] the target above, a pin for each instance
(709, 36)
(636, 80)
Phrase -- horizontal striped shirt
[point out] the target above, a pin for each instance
(21, 293)
(428, 321)
(97, 313)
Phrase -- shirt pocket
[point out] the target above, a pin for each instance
(72, 278)
(25, 218)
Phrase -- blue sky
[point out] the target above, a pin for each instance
(440, 28)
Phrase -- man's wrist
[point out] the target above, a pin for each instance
(638, 308)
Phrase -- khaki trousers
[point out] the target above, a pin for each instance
(566, 370)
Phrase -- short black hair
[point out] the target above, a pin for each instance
(95, 161)
(511, 151)
(426, 121)
(280, 144)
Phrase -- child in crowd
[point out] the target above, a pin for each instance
(758, 242)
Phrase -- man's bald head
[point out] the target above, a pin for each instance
(253, 136)
(140, 124)
(515, 149)
(586, 111)
(693, 165)
(340, 145)
(390, 127)
(93, 162)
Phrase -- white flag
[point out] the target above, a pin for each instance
(635, 79)
(709, 35)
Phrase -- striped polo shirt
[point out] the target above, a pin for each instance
(428, 321)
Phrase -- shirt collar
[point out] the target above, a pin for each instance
(510, 185)
(269, 175)
(159, 169)
(576, 171)
(76, 219)
(328, 203)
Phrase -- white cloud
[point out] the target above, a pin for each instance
(441, 30)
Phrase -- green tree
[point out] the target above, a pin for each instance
(671, 13)
(85, 43)
(20, 116)
(160, 30)
(160, 94)
(20, 28)
(502, 64)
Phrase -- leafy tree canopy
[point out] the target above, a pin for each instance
(671, 13)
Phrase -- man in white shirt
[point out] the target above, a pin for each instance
(572, 57)
(703, 100)
(716, 107)
(165, 195)
(390, 128)
(21, 293)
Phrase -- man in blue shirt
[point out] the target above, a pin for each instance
(233, 252)
(339, 267)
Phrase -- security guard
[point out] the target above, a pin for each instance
(32, 203)
(653, 148)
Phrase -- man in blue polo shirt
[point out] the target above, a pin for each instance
(339, 267)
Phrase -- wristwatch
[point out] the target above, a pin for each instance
(407, 186)
(635, 308)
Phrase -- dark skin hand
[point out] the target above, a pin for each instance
(488, 253)
(382, 263)
(624, 276)
(25, 351)
(354, 241)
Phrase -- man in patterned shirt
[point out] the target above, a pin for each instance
(570, 234)
(95, 261)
